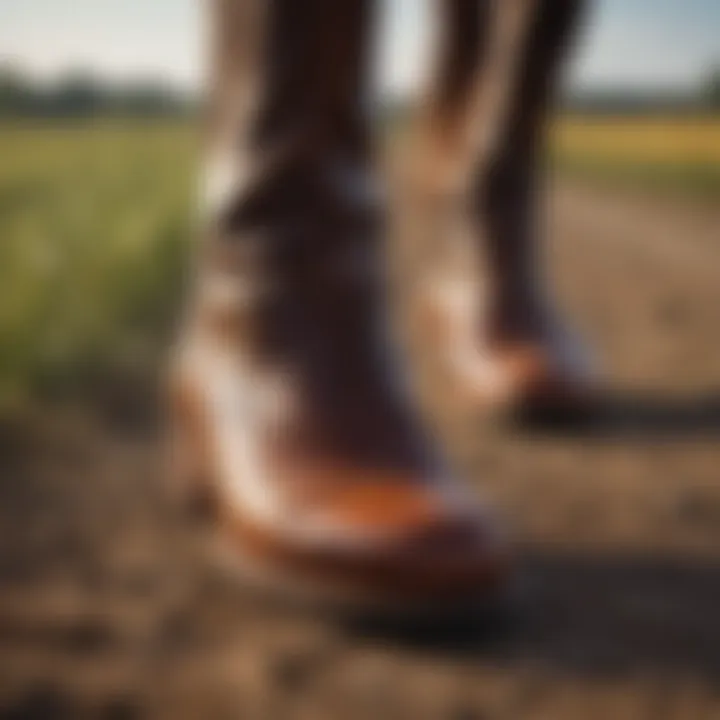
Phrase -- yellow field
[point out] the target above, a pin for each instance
(681, 153)
(658, 140)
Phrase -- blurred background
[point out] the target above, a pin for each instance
(103, 611)
(98, 102)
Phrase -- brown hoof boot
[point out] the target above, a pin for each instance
(535, 375)
(538, 386)
(294, 418)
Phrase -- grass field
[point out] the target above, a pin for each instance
(95, 221)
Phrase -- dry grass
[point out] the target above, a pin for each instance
(676, 153)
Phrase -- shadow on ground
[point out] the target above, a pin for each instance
(598, 615)
(634, 416)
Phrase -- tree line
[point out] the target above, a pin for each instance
(79, 94)
(702, 99)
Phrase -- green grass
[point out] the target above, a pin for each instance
(94, 224)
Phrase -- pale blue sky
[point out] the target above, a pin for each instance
(626, 42)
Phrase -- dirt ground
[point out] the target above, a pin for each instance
(108, 610)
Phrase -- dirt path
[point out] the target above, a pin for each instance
(106, 610)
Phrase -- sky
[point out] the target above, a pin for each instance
(625, 43)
